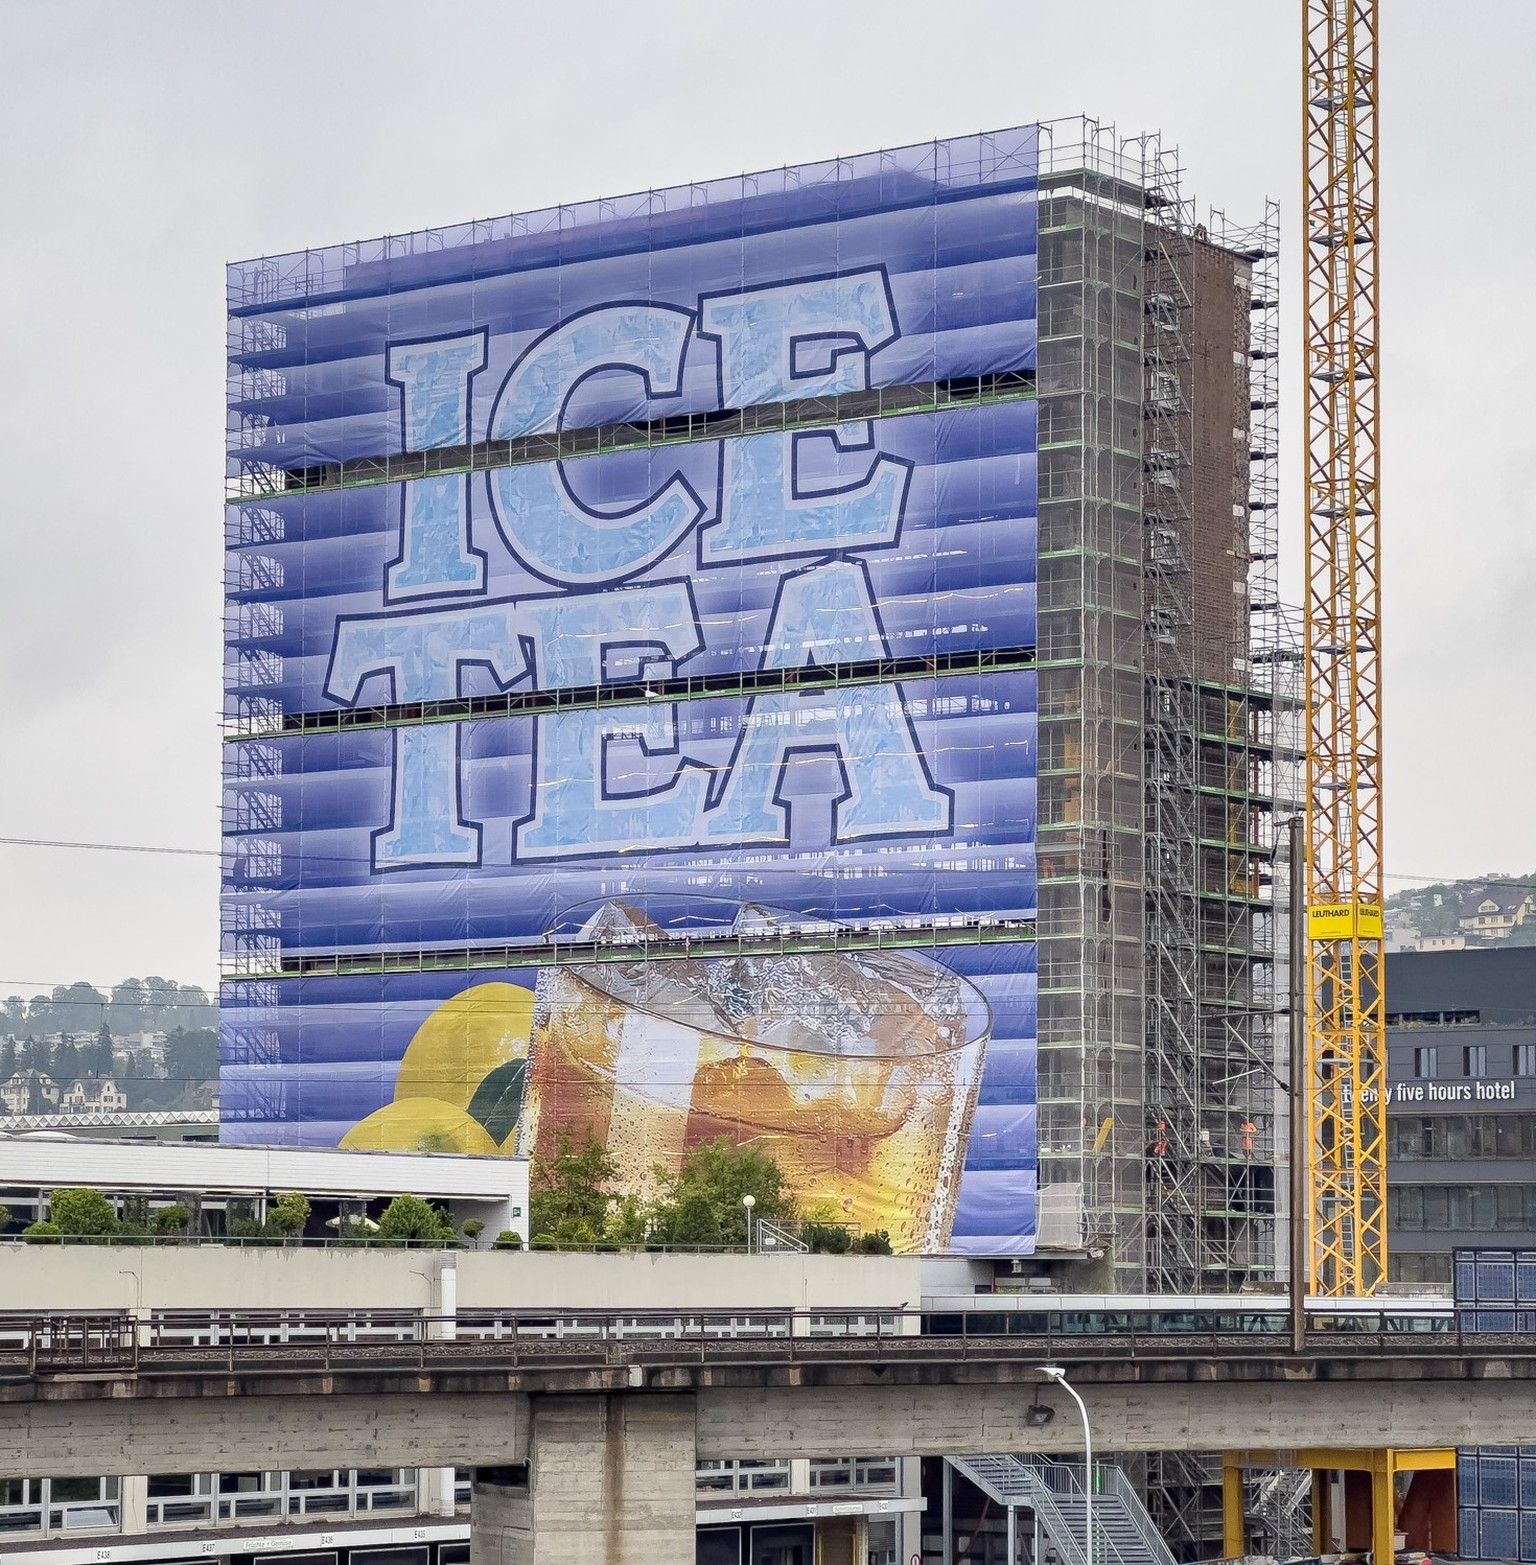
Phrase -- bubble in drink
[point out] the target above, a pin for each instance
(855, 1070)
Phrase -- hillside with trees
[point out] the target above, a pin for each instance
(157, 1040)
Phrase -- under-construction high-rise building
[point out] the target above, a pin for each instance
(1040, 803)
(1168, 675)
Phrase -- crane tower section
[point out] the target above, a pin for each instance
(1345, 1023)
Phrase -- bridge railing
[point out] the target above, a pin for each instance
(70, 1341)
(37, 1342)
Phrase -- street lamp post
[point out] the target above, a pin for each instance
(749, 1201)
(1059, 1375)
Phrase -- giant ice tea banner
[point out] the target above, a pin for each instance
(726, 583)
(871, 805)
(899, 1085)
(825, 528)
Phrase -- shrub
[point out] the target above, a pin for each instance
(84, 1214)
(288, 1215)
(875, 1243)
(823, 1233)
(472, 1228)
(171, 1220)
(5, 1216)
(409, 1219)
(509, 1239)
(41, 1233)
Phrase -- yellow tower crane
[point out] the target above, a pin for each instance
(1342, 1091)
(1345, 1087)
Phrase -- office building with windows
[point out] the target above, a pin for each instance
(1461, 1116)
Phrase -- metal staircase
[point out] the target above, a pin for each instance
(1123, 1533)
(1281, 1513)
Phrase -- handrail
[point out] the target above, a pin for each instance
(793, 1332)
(1062, 1479)
(1069, 1547)
(1135, 1508)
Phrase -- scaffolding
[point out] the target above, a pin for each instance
(1165, 662)
(1167, 715)
(1168, 724)
(1092, 1058)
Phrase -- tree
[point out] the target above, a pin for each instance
(83, 1213)
(703, 1204)
(171, 1221)
(100, 1062)
(191, 1058)
(824, 1233)
(7, 1058)
(571, 1194)
(125, 1013)
(409, 1218)
(76, 1007)
(287, 1215)
(472, 1228)
(67, 1064)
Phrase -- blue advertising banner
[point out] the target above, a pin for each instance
(873, 805)
(897, 1085)
(896, 269)
(804, 488)
(318, 620)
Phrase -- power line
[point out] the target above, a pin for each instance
(107, 847)
(155, 1002)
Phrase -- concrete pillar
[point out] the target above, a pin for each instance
(446, 1306)
(609, 1481)
(133, 1496)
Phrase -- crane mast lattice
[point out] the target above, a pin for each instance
(1345, 1089)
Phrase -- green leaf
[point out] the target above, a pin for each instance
(498, 1100)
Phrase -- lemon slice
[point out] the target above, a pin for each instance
(420, 1125)
(464, 1041)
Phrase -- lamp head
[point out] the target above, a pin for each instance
(1053, 1372)
(749, 1201)
(1037, 1416)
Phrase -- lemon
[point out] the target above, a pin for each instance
(463, 1041)
(420, 1125)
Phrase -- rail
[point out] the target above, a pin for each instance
(1134, 1510)
(173, 1342)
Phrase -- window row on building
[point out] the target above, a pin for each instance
(1418, 1268)
(1449, 1137)
(842, 1472)
(1433, 1059)
(1462, 1208)
(50, 1506)
(54, 1506)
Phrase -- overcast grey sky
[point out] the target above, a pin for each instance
(144, 144)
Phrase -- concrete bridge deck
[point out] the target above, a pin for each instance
(111, 1393)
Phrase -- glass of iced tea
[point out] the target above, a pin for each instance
(856, 1070)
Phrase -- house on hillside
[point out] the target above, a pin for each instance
(30, 1092)
(93, 1098)
(1494, 912)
